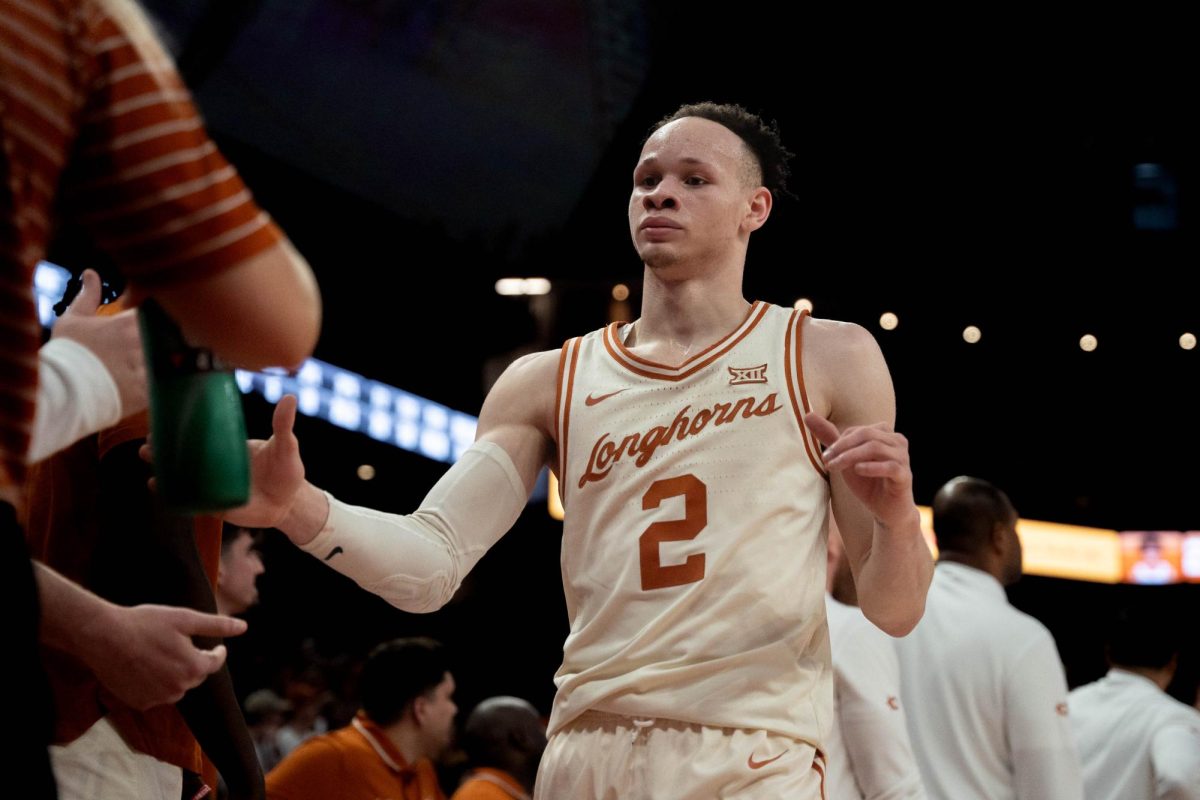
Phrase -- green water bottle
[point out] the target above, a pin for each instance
(201, 464)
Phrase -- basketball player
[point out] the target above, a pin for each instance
(688, 444)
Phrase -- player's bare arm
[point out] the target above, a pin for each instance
(854, 411)
(518, 414)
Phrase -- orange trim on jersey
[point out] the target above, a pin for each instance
(819, 766)
(796, 323)
(753, 307)
(803, 390)
(574, 345)
(558, 394)
(617, 349)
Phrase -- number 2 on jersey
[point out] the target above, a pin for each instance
(695, 494)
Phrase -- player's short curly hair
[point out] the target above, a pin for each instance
(761, 137)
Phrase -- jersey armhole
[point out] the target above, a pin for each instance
(793, 358)
(567, 359)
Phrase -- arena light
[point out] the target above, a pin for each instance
(513, 287)
(1099, 555)
(553, 502)
(803, 304)
(338, 396)
(1188, 341)
(1052, 550)
(1088, 343)
(972, 334)
(889, 321)
(357, 403)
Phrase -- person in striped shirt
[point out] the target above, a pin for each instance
(96, 129)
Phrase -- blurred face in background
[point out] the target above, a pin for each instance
(241, 564)
(435, 711)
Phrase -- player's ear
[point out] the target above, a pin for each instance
(758, 209)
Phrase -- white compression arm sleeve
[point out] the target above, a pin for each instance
(417, 561)
(76, 397)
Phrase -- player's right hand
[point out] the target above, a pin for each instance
(276, 472)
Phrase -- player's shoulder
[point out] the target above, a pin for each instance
(525, 390)
(533, 369)
(838, 339)
(842, 365)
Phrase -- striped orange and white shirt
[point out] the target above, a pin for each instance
(97, 129)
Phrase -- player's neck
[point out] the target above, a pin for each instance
(689, 314)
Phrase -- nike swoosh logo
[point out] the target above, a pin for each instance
(591, 401)
(752, 764)
(334, 552)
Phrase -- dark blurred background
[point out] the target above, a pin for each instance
(1028, 175)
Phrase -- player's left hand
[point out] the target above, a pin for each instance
(873, 461)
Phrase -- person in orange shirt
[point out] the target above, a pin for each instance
(386, 752)
(504, 739)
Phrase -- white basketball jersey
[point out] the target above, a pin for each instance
(693, 552)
